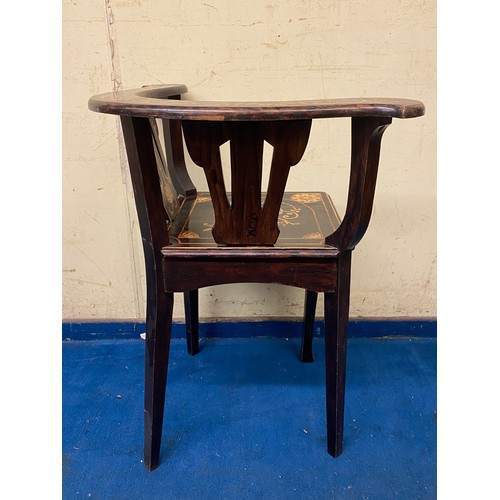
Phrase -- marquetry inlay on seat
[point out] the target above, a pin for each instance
(304, 220)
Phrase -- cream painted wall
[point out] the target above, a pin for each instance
(237, 50)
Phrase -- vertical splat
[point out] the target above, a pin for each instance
(247, 147)
(289, 140)
(246, 221)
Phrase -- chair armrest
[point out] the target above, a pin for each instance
(157, 102)
(124, 102)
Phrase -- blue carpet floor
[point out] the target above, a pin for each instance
(245, 419)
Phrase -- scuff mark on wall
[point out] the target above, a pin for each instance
(208, 5)
(115, 62)
(116, 77)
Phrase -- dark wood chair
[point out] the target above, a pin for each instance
(193, 240)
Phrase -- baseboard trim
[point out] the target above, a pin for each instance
(371, 328)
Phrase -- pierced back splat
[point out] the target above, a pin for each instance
(246, 221)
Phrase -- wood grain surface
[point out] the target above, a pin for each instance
(156, 101)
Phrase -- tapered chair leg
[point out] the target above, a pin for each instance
(192, 322)
(336, 319)
(311, 298)
(158, 330)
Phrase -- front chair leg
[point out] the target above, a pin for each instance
(306, 355)
(158, 330)
(336, 319)
(191, 314)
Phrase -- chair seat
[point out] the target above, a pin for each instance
(305, 219)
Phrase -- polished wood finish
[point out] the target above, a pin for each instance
(170, 195)
(244, 220)
(155, 102)
(193, 240)
(336, 319)
(304, 220)
(182, 275)
(140, 145)
(365, 152)
(172, 134)
(306, 354)
(174, 152)
(159, 325)
(192, 327)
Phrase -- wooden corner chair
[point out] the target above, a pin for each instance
(193, 240)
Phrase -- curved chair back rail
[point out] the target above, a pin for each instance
(155, 101)
(295, 239)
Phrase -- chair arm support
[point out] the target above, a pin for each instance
(142, 162)
(365, 152)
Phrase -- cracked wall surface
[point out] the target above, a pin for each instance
(262, 50)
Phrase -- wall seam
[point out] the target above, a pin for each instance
(132, 236)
